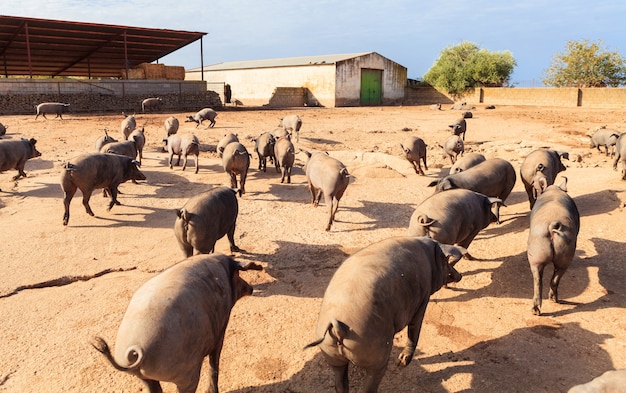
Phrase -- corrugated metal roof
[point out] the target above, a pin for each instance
(30, 46)
(284, 62)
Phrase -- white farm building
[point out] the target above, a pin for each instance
(331, 80)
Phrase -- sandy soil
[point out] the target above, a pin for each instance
(60, 286)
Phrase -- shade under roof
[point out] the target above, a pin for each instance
(30, 47)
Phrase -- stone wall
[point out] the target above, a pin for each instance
(21, 96)
(11, 104)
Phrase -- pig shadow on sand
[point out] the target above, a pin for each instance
(295, 264)
(525, 354)
(513, 279)
(599, 202)
(38, 190)
(378, 214)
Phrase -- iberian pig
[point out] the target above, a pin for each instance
(292, 123)
(88, 172)
(128, 125)
(171, 125)
(414, 150)
(14, 154)
(51, 107)
(329, 176)
(151, 104)
(228, 138)
(202, 115)
(103, 140)
(124, 148)
(280, 133)
(284, 157)
(494, 177)
(264, 148)
(620, 154)
(453, 147)
(373, 295)
(182, 144)
(604, 137)
(454, 216)
(236, 161)
(459, 127)
(554, 226)
(140, 141)
(538, 171)
(467, 161)
(206, 218)
(3, 129)
(176, 319)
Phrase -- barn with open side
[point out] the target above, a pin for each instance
(330, 80)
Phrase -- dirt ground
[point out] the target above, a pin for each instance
(61, 286)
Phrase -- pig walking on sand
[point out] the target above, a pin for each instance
(206, 218)
(226, 139)
(329, 176)
(14, 154)
(51, 107)
(414, 150)
(182, 144)
(171, 125)
(452, 147)
(539, 170)
(373, 295)
(202, 115)
(264, 148)
(620, 154)
(454, 217)
(236, 161)
(284, 157)
(89, 172)
(467, 161)
(104, 140)
(554, 226)
(176, 319)
(494, 177)
(128, 125)
(291, 123)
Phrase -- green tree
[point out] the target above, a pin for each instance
(586, 64)
(465, 66)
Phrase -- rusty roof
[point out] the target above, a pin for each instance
(52, 48)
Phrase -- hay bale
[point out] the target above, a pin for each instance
(153, 71)
(175, 73)
(133, 73)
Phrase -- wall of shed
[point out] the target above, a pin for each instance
(348, 88)
(256, 87)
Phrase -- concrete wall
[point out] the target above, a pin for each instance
(348, 89)
(105, 87)
(255, 87)
(564, 97)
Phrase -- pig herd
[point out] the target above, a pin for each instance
(373, 294)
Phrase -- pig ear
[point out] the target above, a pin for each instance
(563, 154)
(32, 141)
(563, 185)
(453, 253)
(249, 266)
(433, 183)
(136, 163)
(308, 154)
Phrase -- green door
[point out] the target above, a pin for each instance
(371, 87)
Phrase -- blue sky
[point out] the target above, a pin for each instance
(411, 33)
